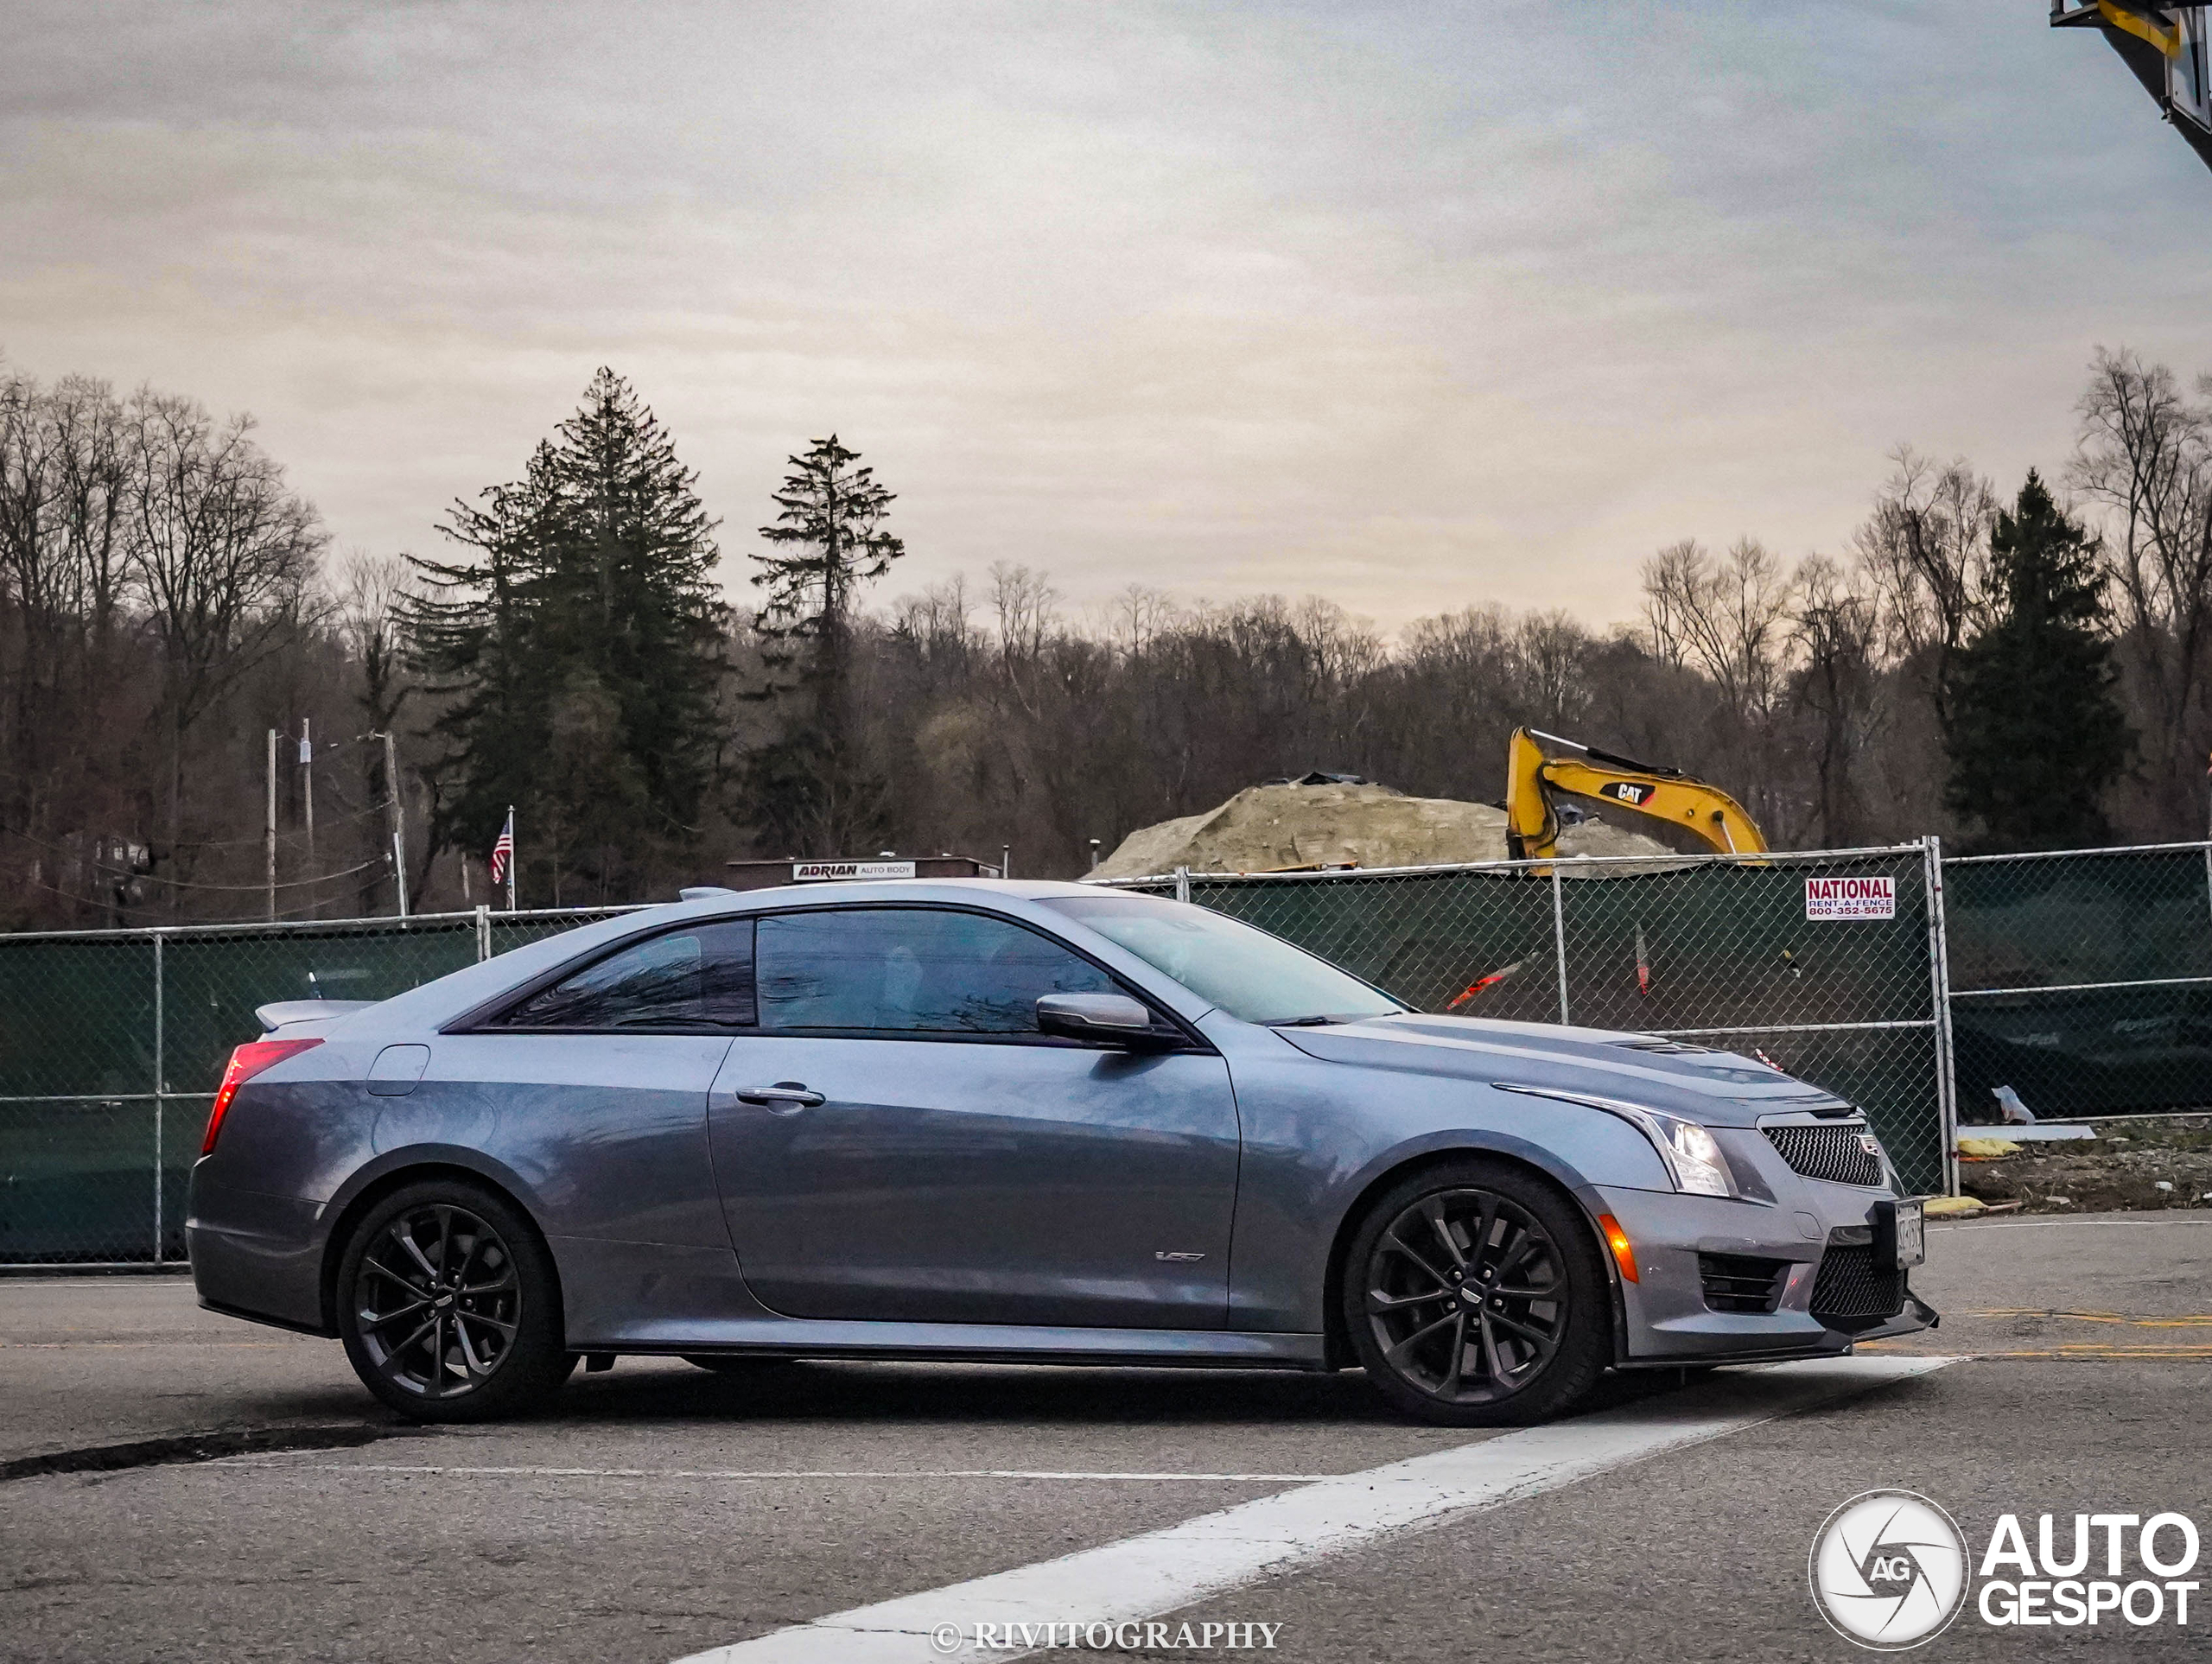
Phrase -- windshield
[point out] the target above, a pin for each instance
(1248, 972)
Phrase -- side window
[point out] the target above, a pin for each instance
(702, 977)
(913, 970)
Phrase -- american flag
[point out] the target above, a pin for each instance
(504, 850)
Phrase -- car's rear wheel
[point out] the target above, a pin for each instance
(448, 1307)
(1474, 1297)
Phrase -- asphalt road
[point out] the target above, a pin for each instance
(660, 1511)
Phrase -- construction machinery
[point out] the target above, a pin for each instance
(2166, 46)
(1535, 779)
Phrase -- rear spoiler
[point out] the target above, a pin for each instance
(283, 1013)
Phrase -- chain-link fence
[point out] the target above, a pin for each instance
(2081, 980)
(1912, 985)
(1827, 964)
(113, 1042)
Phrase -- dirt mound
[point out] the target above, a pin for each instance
(2122, 1168)
(1282, 828)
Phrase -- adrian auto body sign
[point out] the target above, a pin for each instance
(1850, 898)
(816, 872)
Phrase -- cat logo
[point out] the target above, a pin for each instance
(1626, 792)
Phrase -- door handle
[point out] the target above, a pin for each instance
(792, 1094)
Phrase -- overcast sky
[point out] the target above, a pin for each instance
(1407, 306)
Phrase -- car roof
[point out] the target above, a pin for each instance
(436, 1003)
(879, 890)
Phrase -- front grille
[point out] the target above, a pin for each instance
(1834, 1152)
(1736, 1282)
(1849, 1293)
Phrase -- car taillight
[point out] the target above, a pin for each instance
(246, 1061)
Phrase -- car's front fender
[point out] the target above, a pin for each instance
(1319, 1137)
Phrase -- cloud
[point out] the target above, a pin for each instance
(1408, 307)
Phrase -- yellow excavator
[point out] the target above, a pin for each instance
(1533, 778)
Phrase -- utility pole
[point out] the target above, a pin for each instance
(268, 837)
(398, 817)
(307, 771)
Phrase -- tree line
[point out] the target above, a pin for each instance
(2018, 668)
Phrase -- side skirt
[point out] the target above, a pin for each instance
(792, 1337)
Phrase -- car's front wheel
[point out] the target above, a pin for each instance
(448, 1307)
(1474, 1297)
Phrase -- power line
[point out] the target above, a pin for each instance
(180, 884)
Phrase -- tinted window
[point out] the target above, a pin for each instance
(686, 979)
(912, 970)
(1248, 972)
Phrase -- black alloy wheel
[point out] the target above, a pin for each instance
(449, 1307)
(1474, 1297)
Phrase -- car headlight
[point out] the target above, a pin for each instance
(1695, 1154)
(1692, 1156)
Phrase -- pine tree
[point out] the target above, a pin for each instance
(582, 644)
(811, 789)
(2036, 735)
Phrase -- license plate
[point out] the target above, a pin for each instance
(1908, 1234)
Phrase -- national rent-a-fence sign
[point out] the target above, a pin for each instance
(1857, 896)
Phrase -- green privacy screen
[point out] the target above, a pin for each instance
(95, 1150)
(2082, 980)
(1721, 952)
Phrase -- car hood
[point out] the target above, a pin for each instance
(1718, 1089)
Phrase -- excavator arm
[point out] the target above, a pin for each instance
(1532, 779)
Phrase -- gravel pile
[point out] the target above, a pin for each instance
(1284, 828)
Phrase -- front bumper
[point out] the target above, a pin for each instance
(1665, 1315)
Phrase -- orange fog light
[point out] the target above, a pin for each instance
(1616, 1240)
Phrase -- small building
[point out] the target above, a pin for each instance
(766, 874)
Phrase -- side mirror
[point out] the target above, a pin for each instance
(1107, 1019)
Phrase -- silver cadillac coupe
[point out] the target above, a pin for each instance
(1022, 1122)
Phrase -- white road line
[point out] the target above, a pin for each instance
(1163, 1571)
(763, 1473)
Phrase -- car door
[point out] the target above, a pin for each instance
(593, 1090)
(896, 1140)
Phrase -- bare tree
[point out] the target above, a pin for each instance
(1137, 615)
(61, 504)
(372, 594)
(1550, 658)
(1022, 602)
(2145, 460)
(1836, 632)
(1727, 616)
(220, 555)
(1924, 552)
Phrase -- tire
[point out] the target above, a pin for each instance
(448, 1305)
(736, 1363)
(1530, 1349)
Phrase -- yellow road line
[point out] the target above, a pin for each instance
(2194, 1320)
(2079, 1351)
